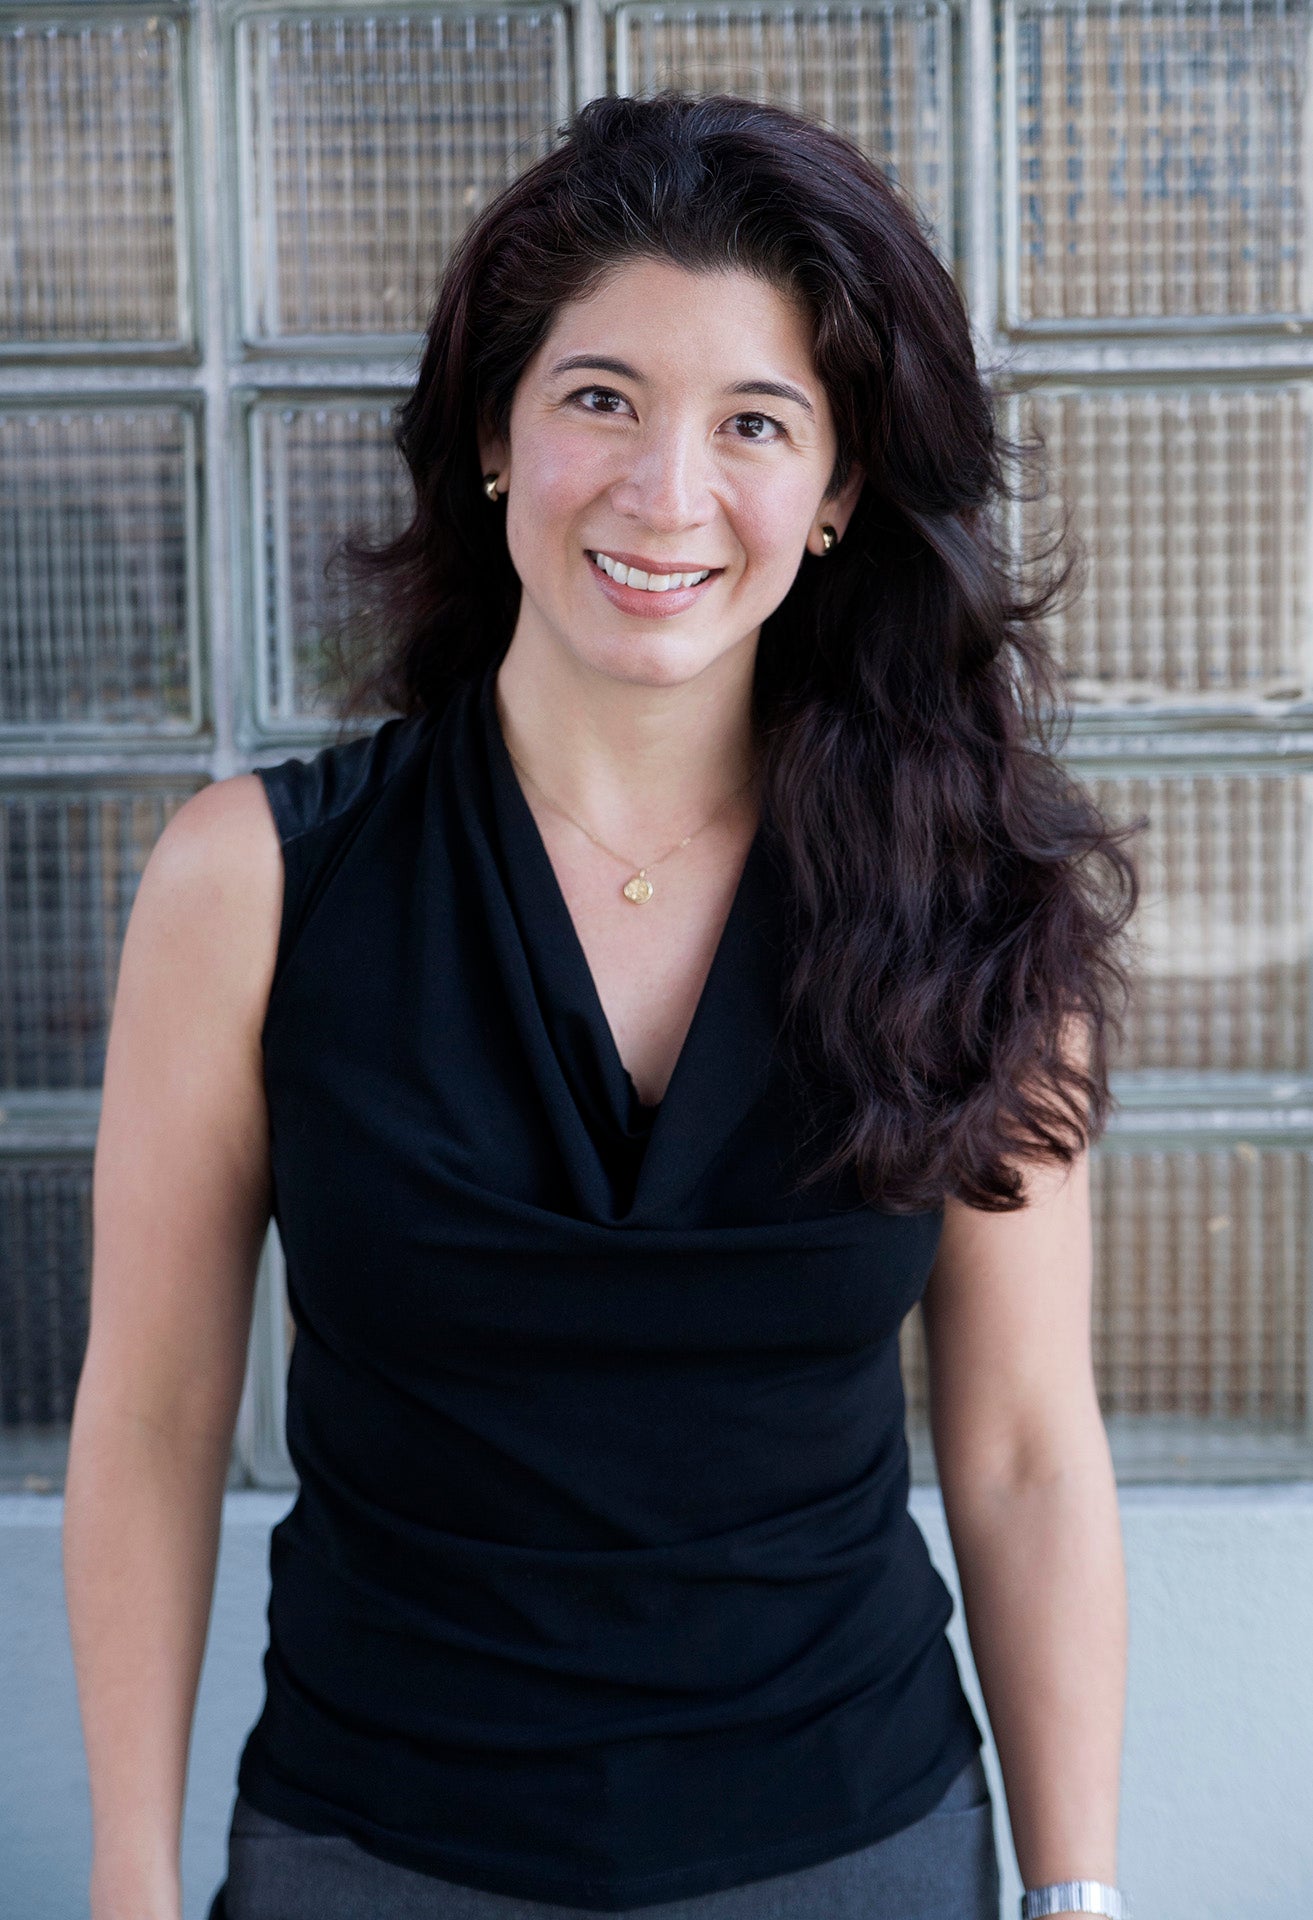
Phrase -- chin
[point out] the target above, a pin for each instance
(648, 660)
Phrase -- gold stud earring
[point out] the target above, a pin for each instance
(829, 536)
(490, 485)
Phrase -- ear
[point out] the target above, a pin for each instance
(837, 510)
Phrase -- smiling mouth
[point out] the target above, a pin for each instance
(655, 583)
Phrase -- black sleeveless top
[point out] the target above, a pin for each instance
(600, 1586)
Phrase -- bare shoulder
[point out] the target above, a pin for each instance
(195, 971)
(210, 897)
(225, 831)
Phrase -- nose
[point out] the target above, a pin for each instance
(665, 483)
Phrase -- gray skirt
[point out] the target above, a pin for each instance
(942, 1867)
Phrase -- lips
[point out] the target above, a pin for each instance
(640, 601)
(649, 566)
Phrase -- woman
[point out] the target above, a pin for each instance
(688, 977)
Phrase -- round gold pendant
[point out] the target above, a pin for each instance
(638, 889)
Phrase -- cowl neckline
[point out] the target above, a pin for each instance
(630, 1161)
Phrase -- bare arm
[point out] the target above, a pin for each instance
(180, 1207)
(1031, 1503)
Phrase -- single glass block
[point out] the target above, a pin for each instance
(45, 1277)
(1192, 504)
(98, 556)
(1202, 1295)
(70, 860)
(318, 473)
(1156, 159)
(882, 75)
(370, 141)
(92, 244)
(1223, 932)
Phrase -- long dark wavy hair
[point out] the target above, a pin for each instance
(956, 899)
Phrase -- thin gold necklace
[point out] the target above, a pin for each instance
(637, 888)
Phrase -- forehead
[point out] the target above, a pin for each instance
(704, 322)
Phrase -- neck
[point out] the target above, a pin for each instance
(638, 760)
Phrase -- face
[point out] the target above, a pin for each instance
(672, 421)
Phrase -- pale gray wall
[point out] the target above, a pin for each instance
(1217, 1808)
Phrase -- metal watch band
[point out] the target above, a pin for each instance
(1075, 1896)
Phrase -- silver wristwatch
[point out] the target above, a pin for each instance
(1075, 1896)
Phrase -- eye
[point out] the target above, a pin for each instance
(770, 420)
(608, 392)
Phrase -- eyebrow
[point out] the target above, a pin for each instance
(779, 389)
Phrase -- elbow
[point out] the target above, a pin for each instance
(1071, 1455)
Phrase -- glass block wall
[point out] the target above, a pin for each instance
(222, 228)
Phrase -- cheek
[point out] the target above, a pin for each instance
(773, 530)
(560, 475)
(549, 490)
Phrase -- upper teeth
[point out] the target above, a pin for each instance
(653, 582)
